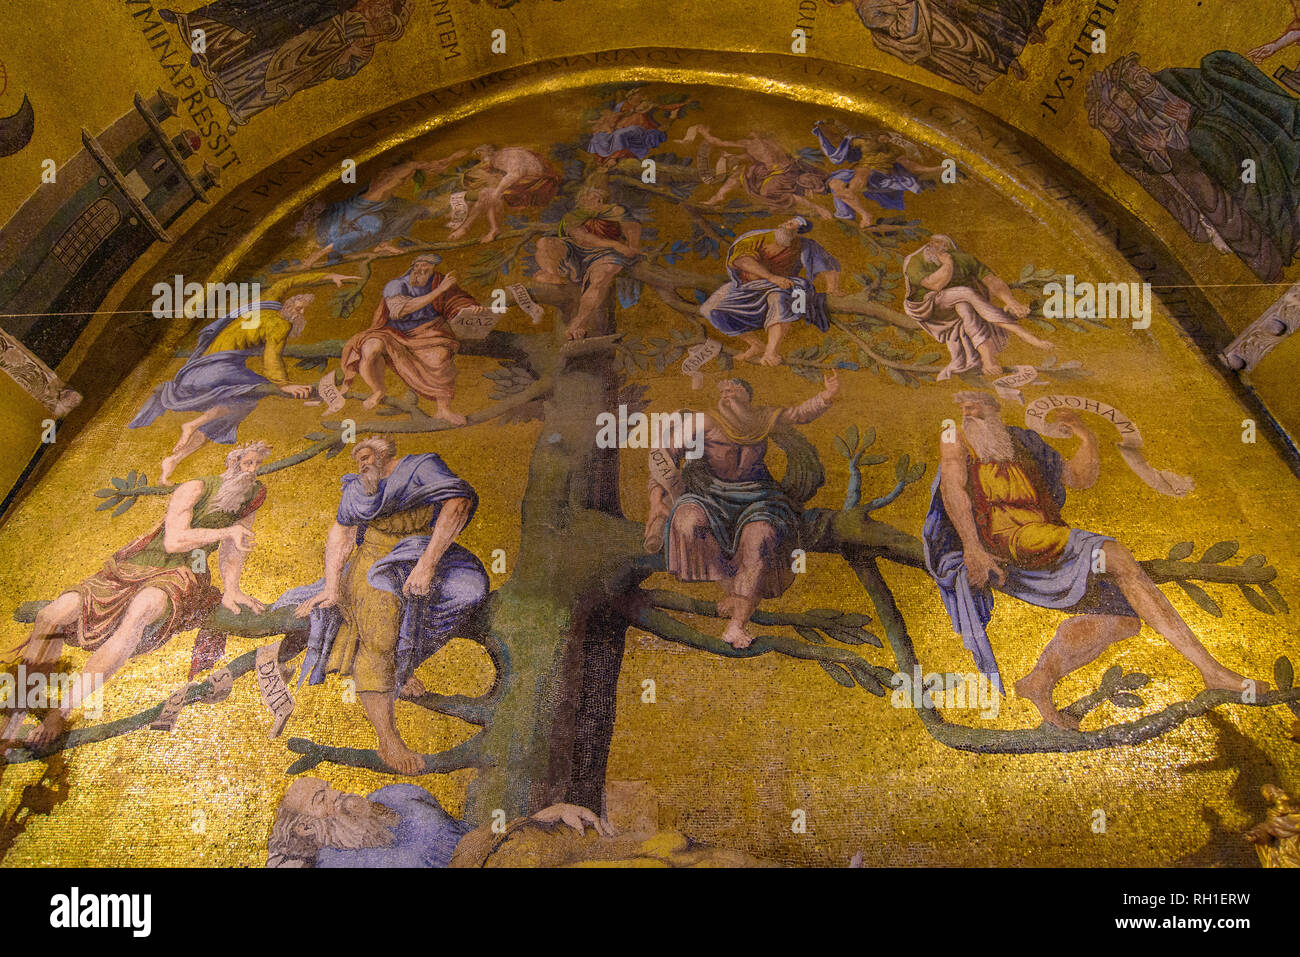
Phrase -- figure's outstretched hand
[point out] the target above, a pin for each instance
(297, 391)
(326, 599)
(831, 380)
(234, 600)
(578, 818)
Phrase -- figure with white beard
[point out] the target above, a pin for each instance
(950, 293)
(995, 521)
(397, 587)
(398, 825)
(153, 588)
(725, 518)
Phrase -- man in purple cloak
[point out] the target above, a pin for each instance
(772, 273)
(397, 587)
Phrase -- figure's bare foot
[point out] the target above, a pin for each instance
(450, 417)
(770, 359)
(654, 536)
(749, 354)
(992, 372)
(737, 637)
(866, 220)
(1036, 688)
(167, 467)
(387, 248)
(373, 400)
(399, 757)
(490, 235)
(414, 688)
(460, 232)
(47, 732)
(1226, 680)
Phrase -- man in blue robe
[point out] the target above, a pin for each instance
(772, 286)
(398, 825)
(397, 587)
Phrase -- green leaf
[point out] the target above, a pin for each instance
(316, 436)
(131, 478)
(1197, 594)
(1112, 676)
(1133, 681)
(1253, 561)
(853, 636)
(1256, 599)
(870, 684)
(851, 438)
(1283, 673)
(895, 375)
(126, 503)
(119, 484)
(874, 459)
(841, 448)
(1126, 699)
(1275, 597)
(809, 635)
(1219, 552)
(1180, 551)
(869, 438)
(838, 672)
(915, 472)
(901, 467)
(1026, 272)
(105, 492)
(109, 503)
(929, 359)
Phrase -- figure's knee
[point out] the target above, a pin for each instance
(1120, 561)
(691, 522)
(58, 614)
(758, 540)
(146, 608)
(372, 347)
(550, 249)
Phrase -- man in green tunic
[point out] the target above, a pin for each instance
(153, 588)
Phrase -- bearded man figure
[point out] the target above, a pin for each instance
(149, 591)
(995, 521)
(411, 334)
(398, 825)
(397, 587)
(724, 518)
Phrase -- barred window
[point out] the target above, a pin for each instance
(84, 236)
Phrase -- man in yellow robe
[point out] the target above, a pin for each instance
(995, 521)
(216, 380)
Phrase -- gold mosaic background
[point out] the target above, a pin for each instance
(731, 747)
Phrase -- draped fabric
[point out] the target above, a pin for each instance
(1067, 583)
(459, 583)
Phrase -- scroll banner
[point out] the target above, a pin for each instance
(459, 211)
(663, 471)
(327, 390)
(697, 358)
(525, 302)
(473, 322)
(221, 681)
(1130, 439)
(271, 685)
